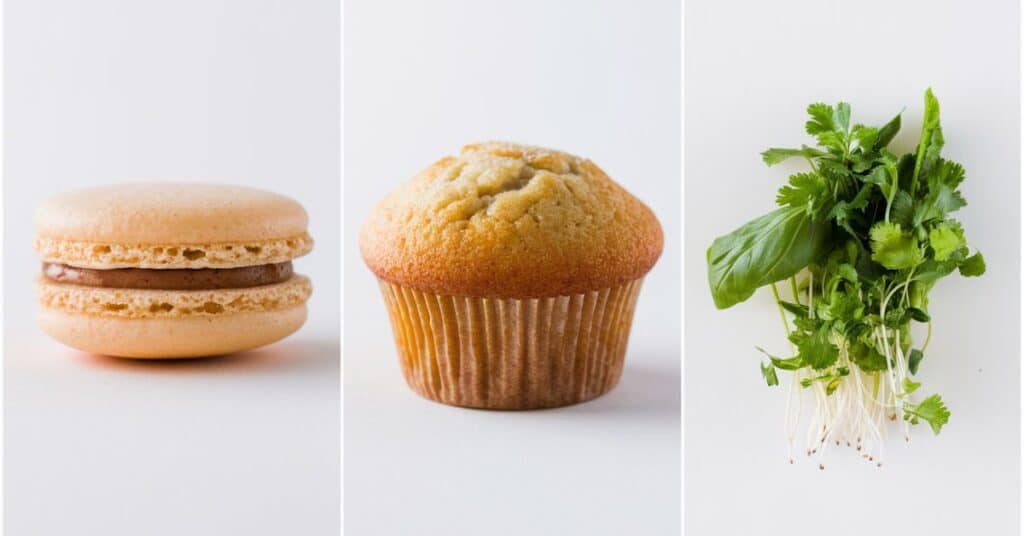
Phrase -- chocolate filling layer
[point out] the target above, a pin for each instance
(198, 279)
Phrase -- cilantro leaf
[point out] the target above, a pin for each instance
(931, 409)
(893, 248)
(865, 136)
(949, 173)
(973, 266)
(946, 238)
(940, 201)
(805, 190)
(821, 119)
(902, 211)
(867, 357)
(816, 349)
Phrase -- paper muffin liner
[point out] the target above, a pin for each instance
(499, 353)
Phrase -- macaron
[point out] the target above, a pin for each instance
(171, 270)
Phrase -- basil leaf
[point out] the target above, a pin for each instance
(765, 250)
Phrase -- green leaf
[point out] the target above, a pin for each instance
(893, 248)
(789, 363)
(843, 211)
(821, 119)
(880, 177)
(817, 350)
(866, 357)
(842, 306)
(902, 211)
(940, 201)
(764, 250)
(949, 173)
(768, 371)
(973, 266)
(914, 360)
(931, 140)
(887, 133)
(918, 314)
(775, 155)
(805, 190)
(841, 116)
(865, 136)
(946, 239)
(834, 141)
(847, 272)
(930, 270)
(909, 386)
(895, 317)
(795, 308)
(931, 409)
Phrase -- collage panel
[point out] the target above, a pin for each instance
(171, 298)
(852, 216)
(511, 350)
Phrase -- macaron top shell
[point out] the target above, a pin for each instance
(171, 225)
(166, 213)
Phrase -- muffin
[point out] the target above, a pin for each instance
(170, 270)
(510, 274)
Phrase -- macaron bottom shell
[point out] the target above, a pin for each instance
(171, 338)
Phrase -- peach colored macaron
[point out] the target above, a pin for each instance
(171, 270)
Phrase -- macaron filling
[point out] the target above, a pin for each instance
(174, 279)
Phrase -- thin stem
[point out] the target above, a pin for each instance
(782, 313)
(927, 338)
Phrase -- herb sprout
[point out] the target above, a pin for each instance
(861, 238)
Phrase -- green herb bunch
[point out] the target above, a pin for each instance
(862, 237)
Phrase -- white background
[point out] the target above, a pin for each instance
(232, 91)
(751, 69)
(598, 79)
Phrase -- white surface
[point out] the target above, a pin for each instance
(751, 69)
(231, 91)
(599, 79)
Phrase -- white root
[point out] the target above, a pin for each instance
(855, 413)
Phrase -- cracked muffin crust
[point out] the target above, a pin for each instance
(507, 220)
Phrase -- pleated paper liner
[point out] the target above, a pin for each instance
(512, 353)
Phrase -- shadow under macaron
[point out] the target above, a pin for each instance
(321, 356)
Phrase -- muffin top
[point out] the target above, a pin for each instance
(512, 221)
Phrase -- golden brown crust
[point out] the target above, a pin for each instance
(505, 220)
